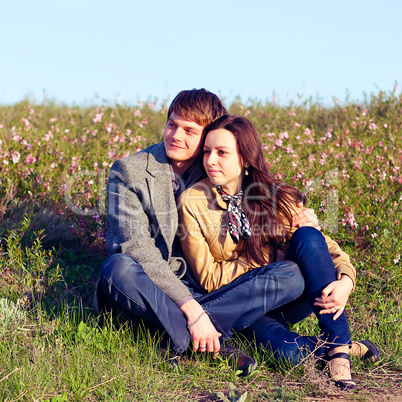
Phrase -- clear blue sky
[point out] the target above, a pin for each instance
(124, 50)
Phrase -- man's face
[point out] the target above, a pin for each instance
(182, 139)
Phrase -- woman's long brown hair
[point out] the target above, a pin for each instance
(266, 200)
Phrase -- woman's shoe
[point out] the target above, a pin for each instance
(365, 350)
(336, 370)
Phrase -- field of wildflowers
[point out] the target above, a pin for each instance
(54, 162)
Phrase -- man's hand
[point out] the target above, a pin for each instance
(306, 217)
(335, 296)
(203, 334)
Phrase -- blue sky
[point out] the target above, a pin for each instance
(83, 51)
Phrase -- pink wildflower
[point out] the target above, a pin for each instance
(98, 118)
(307, 131)
(47, 136)
(15, 157)
(350, 219)
(26, 122)
(30, 159)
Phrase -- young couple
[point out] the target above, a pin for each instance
(233, 220)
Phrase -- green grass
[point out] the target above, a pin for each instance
(53, 163)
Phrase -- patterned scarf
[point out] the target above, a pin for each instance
(238, 222)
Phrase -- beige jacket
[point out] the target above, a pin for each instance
(213, 257)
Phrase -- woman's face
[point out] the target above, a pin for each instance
(222, 162)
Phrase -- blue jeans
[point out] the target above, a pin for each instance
(308, 249)
(232, 307)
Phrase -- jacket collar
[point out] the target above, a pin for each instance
(161, 189)
(157, 159)
(218, 197)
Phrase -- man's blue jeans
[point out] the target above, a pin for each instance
(308, 249)
(232, 307)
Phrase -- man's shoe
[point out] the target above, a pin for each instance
(238, 360)
(100, 304)
(365, 350)
(170, 358)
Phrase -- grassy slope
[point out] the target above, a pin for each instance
(346, 158)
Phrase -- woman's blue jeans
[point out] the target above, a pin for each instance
(308, 249)
(235, 306)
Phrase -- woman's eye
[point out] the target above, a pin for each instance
(206, 152)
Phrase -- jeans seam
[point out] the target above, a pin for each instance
(143, 307)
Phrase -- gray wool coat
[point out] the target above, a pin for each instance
(142, 217)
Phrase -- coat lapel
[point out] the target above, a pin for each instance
(161, 193)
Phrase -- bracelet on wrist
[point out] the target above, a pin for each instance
(196, 320)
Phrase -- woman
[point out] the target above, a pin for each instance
(238, 218)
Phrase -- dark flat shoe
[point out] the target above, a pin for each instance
(368, 352)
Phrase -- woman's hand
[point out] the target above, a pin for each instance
(335, 296)
(306, 217)
(203, 334)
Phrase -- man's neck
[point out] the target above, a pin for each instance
(180, 167)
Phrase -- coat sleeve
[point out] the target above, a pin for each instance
(197, 234)
(131, 230)
(341, 260)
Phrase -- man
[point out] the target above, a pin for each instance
(145, 276)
